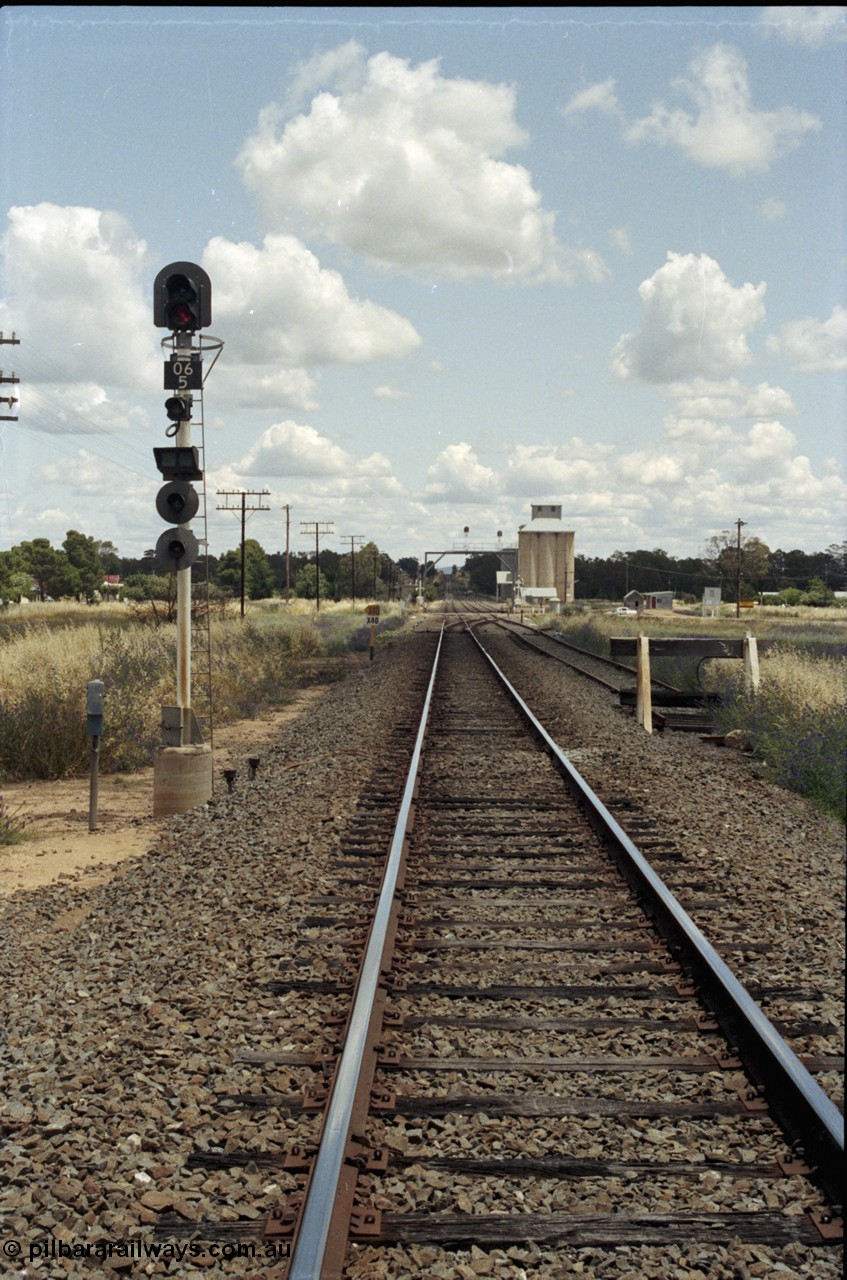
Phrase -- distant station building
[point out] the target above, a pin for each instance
(546, 556)
(505, 584)
(648, 600)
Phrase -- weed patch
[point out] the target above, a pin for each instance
(797, 722)
(13, 827)
(44, 671)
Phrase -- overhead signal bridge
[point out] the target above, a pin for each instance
(508, 557)
(468, 548)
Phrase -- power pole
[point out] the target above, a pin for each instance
(738, 524)
(11, 401)
(317, 527)
(354, 538)
(243, 494)
(287, 510)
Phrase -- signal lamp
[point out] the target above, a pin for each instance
(182, 298)
(178, 408)
(178, 462)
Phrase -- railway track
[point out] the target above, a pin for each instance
(516, 1058)
(680, 711)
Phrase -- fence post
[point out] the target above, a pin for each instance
(751, 663)
(94, 729)
(643, 700)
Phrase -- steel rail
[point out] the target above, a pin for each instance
(310, 1243)
(600, 658)
(809, 1117)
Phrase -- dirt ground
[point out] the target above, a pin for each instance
(59, 845)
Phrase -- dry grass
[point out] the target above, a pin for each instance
(797, 721)
(45, 667)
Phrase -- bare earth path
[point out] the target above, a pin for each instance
(60, 847)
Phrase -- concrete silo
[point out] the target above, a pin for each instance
(546, 556)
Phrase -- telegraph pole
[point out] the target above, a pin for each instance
(738, 525)
(243, 494)
(354, 539)
(287, 510)
(317, 527)
(10, 400)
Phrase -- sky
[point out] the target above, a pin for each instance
(462, 261)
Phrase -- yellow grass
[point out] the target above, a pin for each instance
(805, 682)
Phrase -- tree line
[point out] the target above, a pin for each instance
(795, 577)
(81, 567)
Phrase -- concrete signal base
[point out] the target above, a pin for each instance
(182, 779)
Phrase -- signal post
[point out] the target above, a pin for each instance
(182, 303)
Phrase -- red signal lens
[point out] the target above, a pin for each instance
(180, 314)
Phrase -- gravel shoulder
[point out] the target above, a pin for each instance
(59, 845)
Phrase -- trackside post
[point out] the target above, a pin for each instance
(94, 732)
(643, 687)
(372, 614)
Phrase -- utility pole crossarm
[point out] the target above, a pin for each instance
(317, 527)
(11, 401)
(355, 539)
(243, 495)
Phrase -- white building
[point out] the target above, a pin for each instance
(546, 555)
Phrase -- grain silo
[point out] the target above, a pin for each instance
(545, 556)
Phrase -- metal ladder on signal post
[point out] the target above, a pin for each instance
(201, 621)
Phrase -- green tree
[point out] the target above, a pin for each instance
(258, 574)
(410, 566)
(305, 584)
(152, 596)
(260, 578)
(721, 556)
(228, 575)
(83, 555)
(373, 569)
(51, 570)
(12, 568)
(482, 572)
(109, 557)
(818, 594)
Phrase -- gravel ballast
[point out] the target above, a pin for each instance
(126, 1005)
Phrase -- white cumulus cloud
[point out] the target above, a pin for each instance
(570, 468)
(291, 311)
(457, 475)
(813, 346)
(725, 131)
(405, 166)
(284, 314)
(705, 399)
(79, 408)
(86, 473)
(75, 287)
(292, 449)
(694, 324)
(597, 97)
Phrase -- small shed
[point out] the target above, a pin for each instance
(648, 600)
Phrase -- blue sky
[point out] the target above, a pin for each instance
(462, 260)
